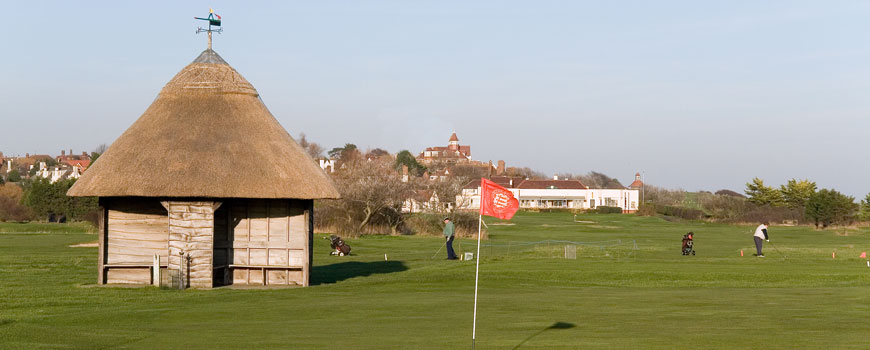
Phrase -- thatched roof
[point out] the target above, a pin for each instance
(207, 134)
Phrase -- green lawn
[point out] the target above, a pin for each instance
(611, 296)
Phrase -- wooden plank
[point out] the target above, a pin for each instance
(135, 243)
(308, 213)
(268, 219)
(128, 276)
(102, 232)
(273, 244)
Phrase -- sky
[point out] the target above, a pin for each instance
(696, 95)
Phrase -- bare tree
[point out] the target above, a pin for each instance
(370, 189)
(312, 148)
(448, 193)
(525, 172)
(376, 153)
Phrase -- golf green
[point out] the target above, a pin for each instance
(629, 287)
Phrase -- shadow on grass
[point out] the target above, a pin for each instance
(556, 325)
(341, 271)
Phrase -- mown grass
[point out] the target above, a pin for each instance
(652, 298)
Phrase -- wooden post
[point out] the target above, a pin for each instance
(155, 272)
(102, 232)
(309, 225)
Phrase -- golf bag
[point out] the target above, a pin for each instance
(688, 244)
(339, 247)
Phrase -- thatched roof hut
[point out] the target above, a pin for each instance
(206, 174)
(207, 134)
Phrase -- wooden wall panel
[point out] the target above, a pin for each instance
(271, 233)
(239, 220)
(278, 222)
(259, 220)
(277, 257)
(278, 277)
(258, 257)
(240, 276)
(137, 229)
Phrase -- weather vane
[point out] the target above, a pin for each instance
(213, 20)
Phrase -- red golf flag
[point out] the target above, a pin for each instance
(497, 201)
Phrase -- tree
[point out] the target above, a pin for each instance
(763, 195)
(370, 189)
(827, 207)
(313, 149)
(348, 154)
(795, 193)
(97, 152)
(13, 176)
(10, 204)
(729, 193)
(864, 214)
(595, 179)
(404, 157)
(48, 199)
(448, 192)
(525, 172)
(376, 153)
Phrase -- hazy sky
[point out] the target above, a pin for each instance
(697, 95)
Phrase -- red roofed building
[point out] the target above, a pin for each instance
(552, 184)
(556, 194)
(637, 184)
(81, 164)
(453, 153)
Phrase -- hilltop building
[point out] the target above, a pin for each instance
(452, 153)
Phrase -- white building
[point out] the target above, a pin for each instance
(557, 194)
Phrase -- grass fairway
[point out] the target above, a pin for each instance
(798, 297)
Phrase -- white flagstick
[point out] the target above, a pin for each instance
(476, 274)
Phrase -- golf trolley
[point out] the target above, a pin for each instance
(339, 247)
(688, 244)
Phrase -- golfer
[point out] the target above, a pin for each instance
(448, 235)
(760, 233)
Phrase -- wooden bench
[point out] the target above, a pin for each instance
(263, 268)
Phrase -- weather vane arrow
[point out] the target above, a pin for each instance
(213, 20)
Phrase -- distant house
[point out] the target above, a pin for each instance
(453, 153)
(59, 172)
(555, 194)
(637, 184)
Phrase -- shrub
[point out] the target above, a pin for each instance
(11, 208)
(603, 209)
(646, 209)
(433, 225)
(49, 200)
(680, 212)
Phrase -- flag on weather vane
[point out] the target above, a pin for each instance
(497, 201)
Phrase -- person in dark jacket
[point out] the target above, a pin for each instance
(449, 230)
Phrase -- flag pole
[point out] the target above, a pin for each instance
(476, 274)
